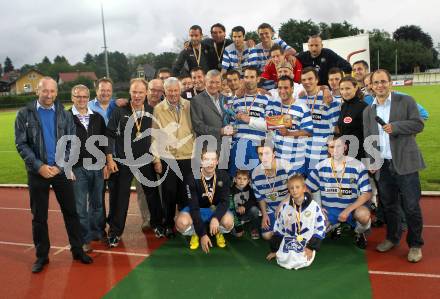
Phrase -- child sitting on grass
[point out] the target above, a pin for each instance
(299, 228)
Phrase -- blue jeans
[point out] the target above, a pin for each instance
(390, 186)
(87, 188)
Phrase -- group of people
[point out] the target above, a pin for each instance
(235, 135)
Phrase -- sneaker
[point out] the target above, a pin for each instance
(158, 232)
(385, 246)
(336, 233)
(361, 241)
(255, 234)
(221, 242)
(194, 243)
(113, 241)
(87, 248)
(414, 255)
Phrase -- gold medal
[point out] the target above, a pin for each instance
(138, 134)
(209, 194)
(299, 238)
(340, 193)
(137, 122)
(334, 172)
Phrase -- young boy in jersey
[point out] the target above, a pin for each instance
(208, 203)
(299, 228)
(244, 205)
(344, 188)
(269, 182)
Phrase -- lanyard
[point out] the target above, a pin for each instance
(138, 124)
(338, 182)
(198, 56)
(219, 57)
(205, 186)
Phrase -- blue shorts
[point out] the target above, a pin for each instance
(272, 222)
(205, 213)
(333, 214)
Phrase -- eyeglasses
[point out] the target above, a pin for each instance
(383, 82)
(81, 97)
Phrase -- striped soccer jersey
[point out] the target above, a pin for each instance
(292, 149)
(324, 118)
(273, 190)
(232, 59)
(255, 106)
(264, 56)
(342, 191)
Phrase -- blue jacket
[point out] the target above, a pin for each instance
(29, 135)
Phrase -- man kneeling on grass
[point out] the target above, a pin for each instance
(208, 202)
(299, 228)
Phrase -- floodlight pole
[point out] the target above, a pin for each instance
(105, 43)
(395, 66)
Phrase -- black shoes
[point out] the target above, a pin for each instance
(39, 264)
(113, 241)
(336, 233)
(159, 232)
(169, 233)
(82, 257)
(361, 241)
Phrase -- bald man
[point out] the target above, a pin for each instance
(38, 128)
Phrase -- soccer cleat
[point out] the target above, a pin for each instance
(221, 242)
(361, 241)
(113, 241)
(194, 243)
(336, 233)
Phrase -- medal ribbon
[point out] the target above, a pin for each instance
(205, 186)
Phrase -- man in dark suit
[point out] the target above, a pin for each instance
(207, 110)
(38, 128)
(399, 173)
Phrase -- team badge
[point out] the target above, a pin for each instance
(347, 120)
(352, 181)
(220, 184)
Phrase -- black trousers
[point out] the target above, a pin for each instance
(39, 199)
(120, 195)
(391, 185)
(173, 190)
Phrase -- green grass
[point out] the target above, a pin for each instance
(241, 271)
(12, 167)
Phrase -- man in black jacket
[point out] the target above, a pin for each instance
(126, 127)
(195, 55)
(88, 172)
(208, 203)
(38, 128)
(322, 59)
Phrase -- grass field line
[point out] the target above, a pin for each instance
(52, 210)
(64, 248)
(409, 274)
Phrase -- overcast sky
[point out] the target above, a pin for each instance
(34, 29)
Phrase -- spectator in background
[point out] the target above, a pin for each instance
(198, 80)
(186, 82)
(163, 74)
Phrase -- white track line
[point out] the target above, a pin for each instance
(60, 249)
(56, 211)
(409, 274)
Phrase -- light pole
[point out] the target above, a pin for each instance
(105, 43)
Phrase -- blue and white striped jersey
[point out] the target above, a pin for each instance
(288, 148)
(233, 59)
(324, 118)
(273, 190)
(256, 106)
(264, 56)
(354, 182)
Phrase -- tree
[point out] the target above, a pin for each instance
(381, 42)
(165, 59)
(414, 33)
(88, 59)
(118, 66)
(1, 70)
(60, 60)
(253, 35)
(411, 54)
(46, 60)
(8, 65)
(336, 30)
(295, 33)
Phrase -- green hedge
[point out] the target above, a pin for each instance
(17, 101)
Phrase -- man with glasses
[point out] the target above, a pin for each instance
(395, 120)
